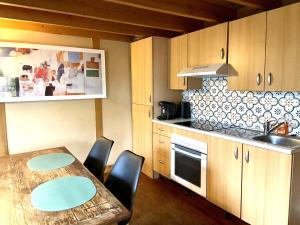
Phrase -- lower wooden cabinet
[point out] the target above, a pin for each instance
(224, 174)
(266, 186)
(161, 154)
(250, 182)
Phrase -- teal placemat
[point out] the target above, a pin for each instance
(50, 161)
(63, 193)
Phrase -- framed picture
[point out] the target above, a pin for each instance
(33, 72)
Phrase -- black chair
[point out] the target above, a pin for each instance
(123, 179)
(98, 156)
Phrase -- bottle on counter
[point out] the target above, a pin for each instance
(283, 129)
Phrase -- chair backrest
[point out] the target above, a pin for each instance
(124, 177)
(98, 156)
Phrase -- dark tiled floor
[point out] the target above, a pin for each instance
(164, 202)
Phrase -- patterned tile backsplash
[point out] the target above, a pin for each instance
(246, 109)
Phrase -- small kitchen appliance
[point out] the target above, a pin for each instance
(168, 110)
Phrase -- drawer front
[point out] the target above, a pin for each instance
(161, 129)
(161, 164)
(161, 145)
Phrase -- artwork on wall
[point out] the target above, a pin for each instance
(31, 72)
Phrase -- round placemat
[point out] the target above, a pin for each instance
(63, 193)
(50, 161)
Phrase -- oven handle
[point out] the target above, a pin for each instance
(203, 156)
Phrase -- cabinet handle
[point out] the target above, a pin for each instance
(162, 142)
(150, 98)
(236, 153)
(161, 129)
(258, 79)
(184, 81)
(247, 157)
(222, 53)
(270, 79)
(161, 162)
(149, 113)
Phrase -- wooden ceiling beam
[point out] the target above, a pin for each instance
(54, 29)
(101, 10)
(194, 9)
(17, 13)
(257, 4)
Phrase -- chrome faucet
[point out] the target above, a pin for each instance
(268, 127)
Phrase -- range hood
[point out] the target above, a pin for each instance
(215, 70)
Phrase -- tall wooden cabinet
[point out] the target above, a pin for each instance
(264, 51)
(208, 46)
(224, 174)
(149, 83)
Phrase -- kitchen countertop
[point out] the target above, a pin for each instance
(236, 134)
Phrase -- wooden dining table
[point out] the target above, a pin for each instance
(17, 182)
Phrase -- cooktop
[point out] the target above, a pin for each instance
(203, 125)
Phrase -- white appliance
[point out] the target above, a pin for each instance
(204, 71)
(189, 163)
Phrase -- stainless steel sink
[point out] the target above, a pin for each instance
(286, 141)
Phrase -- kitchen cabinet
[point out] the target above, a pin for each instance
(283, 49)
(264, 51)
(149, 79)
(224, 174)
(246, 53)
(142, 135)
(141, 72)
(208, 46)
(265, 186)
(161, 154)
(162, 129)
(177, 61)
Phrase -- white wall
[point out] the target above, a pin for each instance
(38, 125)
(117, 107)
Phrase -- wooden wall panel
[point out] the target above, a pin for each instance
(3, 138)
(98, 102)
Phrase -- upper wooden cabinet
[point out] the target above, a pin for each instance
(208, 46)
(142, 72)
(283, 49)
(264, 51)
(246, 53)
(266, 186)
(177, 61)
(225, 174)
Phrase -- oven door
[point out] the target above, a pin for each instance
(188, 167)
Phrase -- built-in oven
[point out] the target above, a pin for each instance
(189, 163)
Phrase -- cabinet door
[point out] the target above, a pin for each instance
(283, 49)
(225, 174)
(146, 131)
(148, 71)
(137, 123)
(177, 62)
(266, 186)
(142, 72)
(246, 53)
(137, 79)
(161, 154)
(142, 135)
(208, 46)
